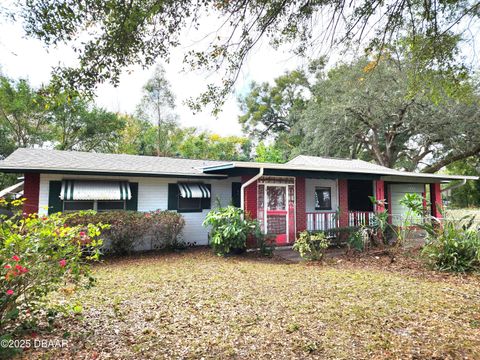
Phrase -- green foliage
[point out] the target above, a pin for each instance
(166, 229)
(144, 33)
(75, 124)
(229, 229)
(210, 146)
(356, 241)
(38, 256)
(467, 195)
(414, 203)
(369, 108)
(128, 229)
(453, 245)
(270, 153)
(265, 243)
(311, 246)
(157, 104)
(272, 111)
(339, 235)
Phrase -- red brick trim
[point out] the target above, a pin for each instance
(343, 202)
(380, 195)
(436, 200)
(300, 204)
(31, 192)
(250, 198)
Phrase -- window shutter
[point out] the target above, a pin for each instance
(55, 204)
(172, 196)
(132, 204)
(207, 202)
(236, 191)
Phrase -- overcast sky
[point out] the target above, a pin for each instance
(22, 57)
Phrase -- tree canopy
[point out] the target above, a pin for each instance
(366, 109)
(116, 34)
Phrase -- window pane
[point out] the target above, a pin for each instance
(276, 198)
(189, 203)
(323, 199)
(110, 205)
(77, 205)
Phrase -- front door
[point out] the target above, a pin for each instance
(276, 197)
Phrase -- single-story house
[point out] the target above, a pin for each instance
(306, 193)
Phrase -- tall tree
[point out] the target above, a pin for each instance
(78, 125)
(358, 112)
(144, 31)
(157, 104)
(210, 146)
(23, 113)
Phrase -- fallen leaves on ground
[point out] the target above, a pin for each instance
(196, 305)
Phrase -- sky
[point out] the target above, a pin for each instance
(22, 57)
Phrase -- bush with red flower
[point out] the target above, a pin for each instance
(38, 256)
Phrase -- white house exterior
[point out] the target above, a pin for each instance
(307, 193)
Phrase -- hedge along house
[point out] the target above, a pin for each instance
(307, 193)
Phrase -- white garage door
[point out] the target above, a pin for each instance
(397, 192)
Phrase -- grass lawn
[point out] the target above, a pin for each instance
(196, 305)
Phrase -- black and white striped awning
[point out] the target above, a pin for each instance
(95, 190)
(194, 191)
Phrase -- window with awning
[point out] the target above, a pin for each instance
(95, 190)
(194, 191)
(189, 197)
(77, 195)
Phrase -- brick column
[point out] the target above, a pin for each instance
(301, 217)
(436, 200)
(31, 192)
(250, 198)
(380, 196)
(343, 202)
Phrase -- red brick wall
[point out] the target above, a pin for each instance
(343, 202)
(250, 197)
(380, 194)
(435, 199)
(31, 191)
(300, 206)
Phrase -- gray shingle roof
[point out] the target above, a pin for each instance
(41, 160)
(75, 161)
(336, 163)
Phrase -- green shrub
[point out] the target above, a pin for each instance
(229, 229)
(356, 241)
(38, 256)
(129, 229)
(453, 245)
(339, 235)
(165, 229)
(265, 244)
(311, 246)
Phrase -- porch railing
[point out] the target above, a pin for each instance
(330, 219)
(322, 220)
(359, 218)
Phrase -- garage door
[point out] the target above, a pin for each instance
(397, 192)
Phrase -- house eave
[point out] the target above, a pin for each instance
(109, 173)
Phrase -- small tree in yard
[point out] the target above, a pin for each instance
(38, 256)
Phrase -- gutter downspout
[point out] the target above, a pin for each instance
(455, 186)
(242, 188)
